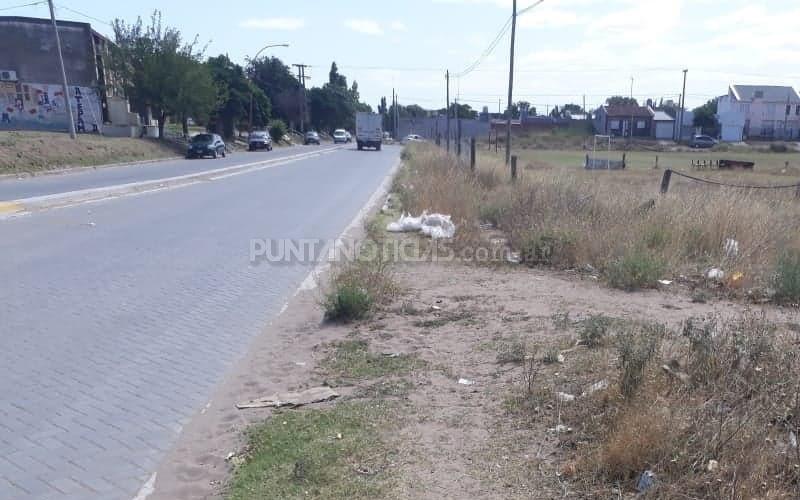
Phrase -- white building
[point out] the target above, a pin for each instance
(759, 111)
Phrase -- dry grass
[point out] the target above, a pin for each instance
(614, 221)
(22, 152)
(720, 423)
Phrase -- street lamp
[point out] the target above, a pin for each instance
(255, 58)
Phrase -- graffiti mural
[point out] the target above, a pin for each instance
(41, 106)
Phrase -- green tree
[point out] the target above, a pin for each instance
(158, 72)
(706, 117)
(335, 79)
(234, 92)
(276, 80)
(619, 100)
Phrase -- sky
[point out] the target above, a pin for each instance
(565, 49)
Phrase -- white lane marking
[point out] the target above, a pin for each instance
(119, 191)
(147, 489)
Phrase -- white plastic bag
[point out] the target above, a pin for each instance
(406, 224)
(438, 226)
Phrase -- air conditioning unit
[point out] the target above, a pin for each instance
(6, 75)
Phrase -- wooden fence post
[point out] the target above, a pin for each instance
(623, 161)
(472, 154)
(458, 147)
(665, 181)
(513, 168)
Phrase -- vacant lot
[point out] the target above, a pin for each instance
(31, 152)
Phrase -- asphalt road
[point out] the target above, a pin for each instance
(41, 185)
(117, 318)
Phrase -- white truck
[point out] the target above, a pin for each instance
(369, 130)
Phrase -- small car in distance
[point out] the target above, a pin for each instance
(702, 141)
(202, 145)
(339, 136)
(311, 138)
(412, 138)
(259, 140)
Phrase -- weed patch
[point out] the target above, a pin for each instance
(352, 360)
(635, 270)
(334, 453)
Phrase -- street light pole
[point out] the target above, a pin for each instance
(255, 58)
(63, 72)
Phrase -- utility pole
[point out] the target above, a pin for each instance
(511, 82)
(397, 117)
(447, 110)
(683, 104)
(584, 106)
(63, 72)
(301, 76)
(630, 133)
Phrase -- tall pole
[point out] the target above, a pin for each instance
(301, 75)
(511, 83)
(630, 133)
(683, 104)
(447, 111)
(254, 59)
(63, 72)
(396, 117)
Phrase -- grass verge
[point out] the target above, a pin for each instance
(335, 453)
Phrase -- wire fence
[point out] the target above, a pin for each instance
(665, 182)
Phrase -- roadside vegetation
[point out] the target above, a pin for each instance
(617, 224)
(32, 152)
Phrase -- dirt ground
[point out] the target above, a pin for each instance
(32, 152)
(457, 439)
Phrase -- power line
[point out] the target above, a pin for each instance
(23, 5)
(84, 15)
(469, 69)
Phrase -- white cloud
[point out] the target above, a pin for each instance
(398, 26)
(366, 26)
(274, 23)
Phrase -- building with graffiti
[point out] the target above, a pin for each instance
(31, 93)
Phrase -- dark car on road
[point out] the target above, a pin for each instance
(259, 140)
(311, 138)
(206, 145)
(702, 141)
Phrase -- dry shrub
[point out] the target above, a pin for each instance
(609, 217)
(731, 395)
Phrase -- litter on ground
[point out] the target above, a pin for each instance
(437, 226)
(292, 399)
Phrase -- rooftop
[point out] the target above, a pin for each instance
(778, 93)
(628, 111)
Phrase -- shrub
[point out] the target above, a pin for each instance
(594, 331)
(348, 302)
(778, 147)
(636, 347)
(511, 352)
(277, 130)
(358, 288)
(787, 277)
(636, 269)
(549, 249)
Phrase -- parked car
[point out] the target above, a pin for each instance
(206, 145)
(412, 138)
(339, 135)
(259, 140)
(311, 138)
(702, 141)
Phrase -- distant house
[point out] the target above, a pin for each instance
(759, 111)
(663, 126)
(621, 120)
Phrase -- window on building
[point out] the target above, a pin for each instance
(797, 111)
(614, 124)
(640, 124)
(788, 109)
(759, 94)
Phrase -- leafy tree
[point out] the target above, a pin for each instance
(277, 130)
(619, 100)
(335, 79)
(276, 80)
(555, 113)
(234, 91)
(571, 108)
(157, 71)
(706, 117)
